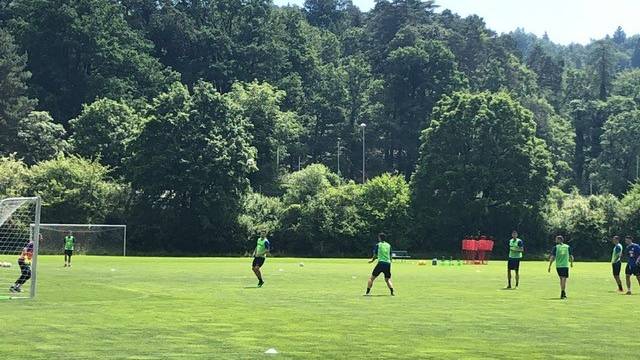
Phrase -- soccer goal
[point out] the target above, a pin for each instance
(19, 233)
(90, 239)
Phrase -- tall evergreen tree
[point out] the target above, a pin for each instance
(635, 59)
(619, 36)
(15, 105)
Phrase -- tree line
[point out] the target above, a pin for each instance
(202, 123)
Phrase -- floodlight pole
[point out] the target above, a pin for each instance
(362, 126)
(338, 156)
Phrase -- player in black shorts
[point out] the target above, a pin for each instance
(616, 261)
(382, 253)
(263, 246)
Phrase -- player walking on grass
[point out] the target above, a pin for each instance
(69, 245)
(561, 253)
(616, 261)
(516, 248)
(263, 247)
(24, 261)
(382, 252)
(633, 262)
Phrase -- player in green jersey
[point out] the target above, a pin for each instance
(561, 254)
(616, 261)
(69, 245)
(516, 248)
(263, 246)
(382, 252)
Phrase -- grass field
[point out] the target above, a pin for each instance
(209, 308)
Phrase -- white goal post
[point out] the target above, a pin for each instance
(90, 239)
(19, 246)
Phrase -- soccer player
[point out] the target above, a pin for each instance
(69, 244)
(24, 261)
(633, 262)
(263, 247)
(616, 261)
(382, 252)
(561, 253)
(516, 248)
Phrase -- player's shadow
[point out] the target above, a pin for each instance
(555, 299)
(379, 295)
(251, 287)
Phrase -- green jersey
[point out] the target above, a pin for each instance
(616, 255)
(514, 246)
(562, 253)
(69, 242)
(262, 247)
(384, 252)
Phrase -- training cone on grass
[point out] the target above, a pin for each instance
(271, 351)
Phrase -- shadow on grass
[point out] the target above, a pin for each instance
(376, 295)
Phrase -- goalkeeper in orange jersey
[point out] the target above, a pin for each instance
(24, 261)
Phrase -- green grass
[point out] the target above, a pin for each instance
(168, 308)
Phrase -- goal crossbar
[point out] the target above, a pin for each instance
(53, 226)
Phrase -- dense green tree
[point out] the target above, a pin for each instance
(275, 133)
(14, 103)
(558, 133)
(630, 211)
(76, 190)
(303, 185)
(333, 223)
(83, 49)
(602, 61)
(220, 41)
(327, 106)
(40, 138)
(333, 15)
(619, 160)
(415, 76)
(13, 177)
(189, 170)
(261, 214)
(365, 105)
(619, 36)
(635, 58)
(586, 221)
(386, 207)
(482, 168)
(549, 70)
(104, 130)
(627, 83)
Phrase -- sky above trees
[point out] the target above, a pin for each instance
(565, 21)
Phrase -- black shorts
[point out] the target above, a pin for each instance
(563, 272)
(635, 270)
(513, 264)
(68, 252)
(616, 268)
(382, 267)
(258, 261)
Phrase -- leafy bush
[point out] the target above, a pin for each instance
(76, 190)
(587, 222)
(13, 177)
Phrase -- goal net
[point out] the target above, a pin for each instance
(90, 239)
(19, 230)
